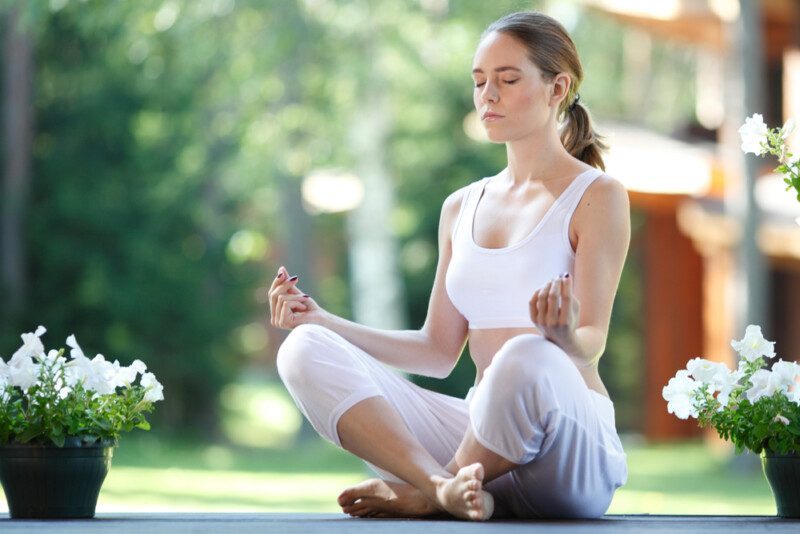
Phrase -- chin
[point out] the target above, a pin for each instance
(496, 137)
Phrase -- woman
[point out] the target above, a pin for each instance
(529, 263)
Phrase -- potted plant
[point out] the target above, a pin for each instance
(755, 408)
(59, 422)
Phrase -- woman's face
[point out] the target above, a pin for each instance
(509, 85)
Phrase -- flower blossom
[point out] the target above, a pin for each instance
(781, 419)
(679, 394)
(154, 391)
(31, 346)
(788, 128)
(753, 345)
(754, 135)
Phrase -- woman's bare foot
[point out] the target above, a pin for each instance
(463, 495)
(380, 498)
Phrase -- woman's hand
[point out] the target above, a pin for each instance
(288, 305)
(554, 311)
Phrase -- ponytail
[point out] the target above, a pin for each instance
(580, 139)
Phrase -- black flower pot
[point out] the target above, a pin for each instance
(49, 482)
(783, 474)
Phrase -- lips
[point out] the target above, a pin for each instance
(491, 115)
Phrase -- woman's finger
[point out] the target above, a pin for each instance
(552, 303)
(289, 306)
(543, 304)
(566, 299)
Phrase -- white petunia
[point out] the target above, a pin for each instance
(753, 344)
(139, 366)
(154, 391)
(125, 376)
(754, 135)
(788, 128)
(785, 375)
(728, 383)
(707, 371)
(23, 373)
(679, 394)
(31, 346)
(103, 374)
(76, 351)
(780, 419)
(763, 385)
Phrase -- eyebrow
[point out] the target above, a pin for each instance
(498, 69)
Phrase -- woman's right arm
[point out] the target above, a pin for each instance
(435, 348)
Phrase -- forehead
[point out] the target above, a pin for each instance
(500, 49)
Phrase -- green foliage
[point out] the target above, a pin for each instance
(754, 426)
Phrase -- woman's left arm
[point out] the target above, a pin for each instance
(575, 314)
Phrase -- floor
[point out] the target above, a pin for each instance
(334, 523)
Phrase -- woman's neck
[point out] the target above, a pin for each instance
(536, 158)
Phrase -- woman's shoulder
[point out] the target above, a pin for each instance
(605, 197)
(454, 200)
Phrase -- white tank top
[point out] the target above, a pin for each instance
(491, 287)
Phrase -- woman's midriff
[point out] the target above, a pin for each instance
(484, 344)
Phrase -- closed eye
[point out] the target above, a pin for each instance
(509, 82)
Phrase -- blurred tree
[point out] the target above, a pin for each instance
(170, 141)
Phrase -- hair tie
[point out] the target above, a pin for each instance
(575, 102)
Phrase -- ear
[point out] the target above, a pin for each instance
(561, 85)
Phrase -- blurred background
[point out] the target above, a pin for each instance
(161, 159)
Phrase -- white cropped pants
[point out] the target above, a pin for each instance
(532, 407)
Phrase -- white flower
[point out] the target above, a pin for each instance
(780, 419)
(154, 391)
(754, 135)
(679, 394)
(23, 373)
(788, 128)
(76, 351)
(125, 376)
(763, 385)
(102, 378)
(728, 383)
(785, 375)
(707, 371)
(753, 344)
(4, 380)
(31, 345)
(52, 359)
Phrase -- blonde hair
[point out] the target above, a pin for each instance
(552, 50)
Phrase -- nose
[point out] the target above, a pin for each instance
(489, 93)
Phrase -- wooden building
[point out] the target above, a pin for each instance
(691, 237)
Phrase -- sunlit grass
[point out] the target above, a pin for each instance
(688, 479)
(153, 475)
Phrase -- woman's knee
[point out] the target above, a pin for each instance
(296, 355)
(529, 357)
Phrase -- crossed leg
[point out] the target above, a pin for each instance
(375, 432)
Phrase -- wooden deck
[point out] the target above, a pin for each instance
(335, 523)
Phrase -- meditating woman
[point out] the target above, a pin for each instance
(529, 263)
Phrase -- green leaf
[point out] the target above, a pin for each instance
(144, 425)
(57, 439)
